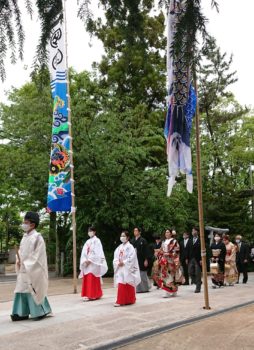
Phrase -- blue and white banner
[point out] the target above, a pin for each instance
(181, 104)
(59, 187)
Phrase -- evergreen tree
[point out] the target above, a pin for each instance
(223, 121)
(12, 34)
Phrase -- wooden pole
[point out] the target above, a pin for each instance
(73, 208)
(200, 201)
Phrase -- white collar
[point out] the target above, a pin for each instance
(30, 233)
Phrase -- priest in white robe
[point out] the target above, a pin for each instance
(93, 266)
(32, 274)
(126, 271)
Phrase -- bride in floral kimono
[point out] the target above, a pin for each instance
(167, 273)
(231, 273)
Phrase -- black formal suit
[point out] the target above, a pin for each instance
(242, 255)
(184, 255)
(142, 250)
(194, 267)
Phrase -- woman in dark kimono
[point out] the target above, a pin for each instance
(218, 261)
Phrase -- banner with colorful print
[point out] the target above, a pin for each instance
(59, 186)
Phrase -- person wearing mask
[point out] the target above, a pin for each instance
(32, 274)
(194, 266)
(169, 273)
(218, 250)
(184, 256)
(242, 257)
(156, 246)
(231, 273)
(93, 266)
(126, 271)
(143, 255)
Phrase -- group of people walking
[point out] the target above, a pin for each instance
(228, 260)
(130, 265)
(171, 264)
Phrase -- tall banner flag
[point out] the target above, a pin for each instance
(181, 103)
(59, 187)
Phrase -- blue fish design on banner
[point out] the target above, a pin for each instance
(181, 105)
(59, 186)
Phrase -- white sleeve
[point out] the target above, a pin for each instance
(116, 259)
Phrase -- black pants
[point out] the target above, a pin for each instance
(195, 272)
(243, 267)
(185, 271)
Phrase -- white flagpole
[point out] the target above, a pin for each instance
(73, 208)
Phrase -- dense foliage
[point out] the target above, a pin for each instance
(118, 115)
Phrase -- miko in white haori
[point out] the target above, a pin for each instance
(126, 271)
(93, 266)
(32, 274)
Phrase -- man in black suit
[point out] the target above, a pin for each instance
(195, 259)
(184, 255)
(242, 257)
(143, 255)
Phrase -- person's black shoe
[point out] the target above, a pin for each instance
(244, 282)
(40, 317)
(16, 317)
(197, 291)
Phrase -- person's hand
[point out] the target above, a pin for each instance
(217, 259)
(186, 261)
(245, 261)
(120, 264)
(146, 263)
(87, 263)
(18, 264)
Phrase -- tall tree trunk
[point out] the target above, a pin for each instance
(7, 233)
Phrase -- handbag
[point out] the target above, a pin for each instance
(227, 266)
(214, 268)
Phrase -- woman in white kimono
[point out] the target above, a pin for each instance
(32, 274)
(93, 266)
(126, 271)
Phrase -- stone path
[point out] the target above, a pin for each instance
(78, 325)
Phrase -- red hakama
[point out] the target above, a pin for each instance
(91, 287)
(126, 294)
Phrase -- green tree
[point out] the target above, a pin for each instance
(12, 34)
(223, 122)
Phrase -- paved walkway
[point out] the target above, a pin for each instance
(230, 331)
(77, 325)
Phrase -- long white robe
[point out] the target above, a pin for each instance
(93, 252)
(129, 272)
(32, 276)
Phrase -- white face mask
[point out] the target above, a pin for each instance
(90, 234)
(123, 239)
(217, 239)
(25, 227)
(237, 241)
